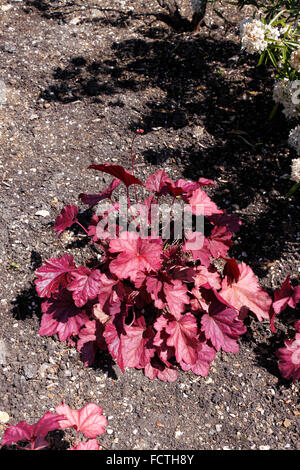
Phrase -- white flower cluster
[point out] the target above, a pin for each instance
(295, 59)
(285, 93)
(196, 5)
(255, 34)
(294, 139)
(295, 173)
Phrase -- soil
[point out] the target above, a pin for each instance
(80, 77)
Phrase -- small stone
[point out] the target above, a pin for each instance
(43, 213)
(6, 7)
(3, 352)
(4, 417)
(218, 427)
(286, 423)
(178, 434)
(47, 105)
(264, 447)
(30, 371)
(34, 116)
(109, 431)
(75, 20)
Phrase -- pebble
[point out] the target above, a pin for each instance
(6, 7)
(3, 353)
(30, 371)
(43, 213)
(4, 417)
(264, 447)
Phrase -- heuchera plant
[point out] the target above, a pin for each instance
(88, 421)
(153, 303)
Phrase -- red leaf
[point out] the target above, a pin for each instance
(137, 348)
(222, 327)
(158, 183)
(201, 204)
(88, 420)
(176, 297)
(246, 293)
(206, 182)
(136, 254)
(289, 359)
(113, 340)
(230, 221)
(205, 355)
(93, 199)
(90, 338)
(61, 316)
(66, 218)
(91, 444)
(157, 369)
(197, 244)
(231, 270)
(85, 285)
(117, 171)
(32, 432)
(285, 296)
(53, 274)
(183, 338)
(219, 242)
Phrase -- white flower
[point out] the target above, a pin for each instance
(284, 92)
(294, 139)
(295, 59)
(196, 5)
(295, 173)
(255, 35)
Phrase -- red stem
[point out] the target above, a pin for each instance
(82, 227)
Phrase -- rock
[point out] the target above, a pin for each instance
(6, 7)
(43, 213)
(30, 371)
(3, 353)
(4, 417)
(75, 20)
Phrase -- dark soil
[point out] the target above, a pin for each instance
(80, 79)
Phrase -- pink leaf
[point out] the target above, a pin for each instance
(246, 293)
(136, 254)
(201, 204)
(289, 359)
(197, 244)
(53, 274)
(118, 171)
(113, 340)
(61, 316)
(30, 432)
(285, 296)
(156, 369)
(222, 327)
(88, 420)
(157, 183)
(230, 221)
(205, 355)
(219, 242)
(183, 338)
(176, 297)
(206, 182)
(137, 348)
(66, 218)
(93, 199)
(85, 285)
(91, 444)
